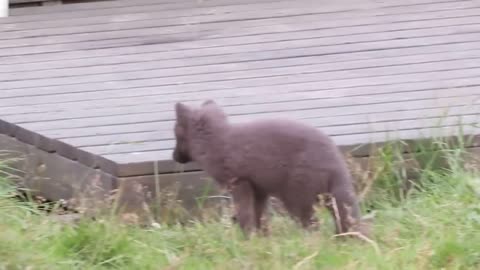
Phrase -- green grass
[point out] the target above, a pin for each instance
(435, 225)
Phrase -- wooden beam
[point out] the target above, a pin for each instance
(54, 177)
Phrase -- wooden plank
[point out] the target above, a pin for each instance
(194, 15)
(26, 1)
(6, 128)
(372, 18)
(344, 122)
(84, 6)
(310, 63)
(361, 85)
(142, 9)
(145, 69)
(116, 133)
(319, 100)
(42, 64)
(33, 57)
(172, 7)
(126, 3)
(266, 94)
(55, 177)
(92, 5)
(200, 193)
(76, 34)
(171, 42)
(97, 64)
(294, 108)
(369, 128)
(284, 93)
(162, 19)
(86, 157)
(141, 163)
(329, 23)
(332, 32)
(163, 16)
(14, 4)
(58, 147)
(238, 76)
(387, 82)
(185, 87)
(152, 135)
(356, 84)
(116, 7)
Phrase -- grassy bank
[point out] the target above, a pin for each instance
(433, 226)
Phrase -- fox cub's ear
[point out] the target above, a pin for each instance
(182, 111)
(209, 102)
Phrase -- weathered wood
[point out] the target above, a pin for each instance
(326, 24)
(74, 153)
(102, 9)
(358, 145)
(337, 50)
(154, 86)
(83, 6)
(365, 104)
(148, 77)
(331, 122)
(26, 1)
(40, 108)
(97, 84)
(316, 28)
(53, 176)
(316, 117)
(13, 2)
(292, 10)
(152, 48)
(134, 70)
(166, 5)
(334, 125)
(54, 146)
(364, 128)
(198, 197)
(98, 63)
(177, 45)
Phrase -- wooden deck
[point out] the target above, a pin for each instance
(96, 82)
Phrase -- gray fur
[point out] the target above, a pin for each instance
(282, 158)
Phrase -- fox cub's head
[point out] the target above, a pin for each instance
(190, 122)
